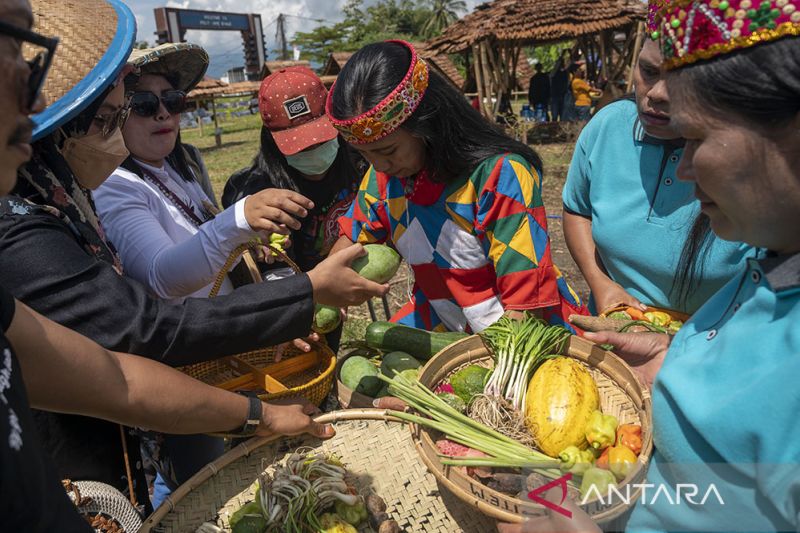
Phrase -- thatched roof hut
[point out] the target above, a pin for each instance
(335, 63)
(532, 22)
(493, 36)
(439, 62)
(274, 66)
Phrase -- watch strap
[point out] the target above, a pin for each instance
(253, 417)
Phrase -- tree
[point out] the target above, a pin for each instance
(387, 19)
(318, 43)
(443, 14)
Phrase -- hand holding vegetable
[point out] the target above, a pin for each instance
(579, 522)
(276, 210)
(336, 284)
(611, 295)
(292, 417)
(643, 351)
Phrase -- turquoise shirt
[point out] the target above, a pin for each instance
(641, 213)
(728, 396)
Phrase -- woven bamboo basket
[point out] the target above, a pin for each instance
(677, 315)
(300, 374)
(621, 394)
(375, 448)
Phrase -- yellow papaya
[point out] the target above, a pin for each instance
(561, 397)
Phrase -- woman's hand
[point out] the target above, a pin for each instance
(292, 417)
(301, 344)
(338, 285)
(276, 210)
(644, 352)
(611, 294)
(555, 522)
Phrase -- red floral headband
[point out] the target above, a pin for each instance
(392, 111)
(692, 30)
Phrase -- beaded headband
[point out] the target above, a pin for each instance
(692, 30)
(392, 111)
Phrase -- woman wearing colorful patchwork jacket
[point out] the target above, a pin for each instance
(459, 200)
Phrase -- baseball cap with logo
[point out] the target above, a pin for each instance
(292, 106)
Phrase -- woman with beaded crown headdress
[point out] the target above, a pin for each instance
(725, 398)
(458, 199)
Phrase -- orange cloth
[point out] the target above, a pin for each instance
(580, 91)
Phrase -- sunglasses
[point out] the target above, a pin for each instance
(41, 61)
(111, 121)
(147, 104)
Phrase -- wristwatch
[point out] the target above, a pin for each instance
(253, 418)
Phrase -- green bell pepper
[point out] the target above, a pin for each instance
(601, 431)
(599, 479)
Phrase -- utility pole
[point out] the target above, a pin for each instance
(280, 37)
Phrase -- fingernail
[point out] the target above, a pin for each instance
(376, 402)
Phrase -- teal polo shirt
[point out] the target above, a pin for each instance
(641, 213)
(726, 405)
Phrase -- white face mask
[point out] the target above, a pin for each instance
(317, 161)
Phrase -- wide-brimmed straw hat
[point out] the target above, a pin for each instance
(184, 64)
(96, 37)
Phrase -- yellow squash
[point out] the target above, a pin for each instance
(561, 397)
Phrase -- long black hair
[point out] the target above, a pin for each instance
(272, 162)
(457, 137)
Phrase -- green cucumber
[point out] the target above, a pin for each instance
(421, 344)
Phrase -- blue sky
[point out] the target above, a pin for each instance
(225, 48)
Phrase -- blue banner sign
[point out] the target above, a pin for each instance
(208, 20)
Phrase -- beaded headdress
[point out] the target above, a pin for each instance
(392, 111)
(692, 30)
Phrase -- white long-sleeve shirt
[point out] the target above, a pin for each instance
(158, 245)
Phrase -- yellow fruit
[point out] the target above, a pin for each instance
(561, 397)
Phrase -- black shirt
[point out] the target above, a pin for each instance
(31, 493)
(45, 266)
(331, 195)
(539, 91)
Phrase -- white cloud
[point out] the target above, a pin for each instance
(225, 47)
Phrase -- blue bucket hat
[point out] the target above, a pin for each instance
(96, 38)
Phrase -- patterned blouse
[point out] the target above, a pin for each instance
(477, 246)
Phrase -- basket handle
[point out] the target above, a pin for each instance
(243, 250)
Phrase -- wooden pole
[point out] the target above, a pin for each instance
(624, 54)
(478, 67)
(199, 118)
(217, 131)
(487, 75)
(604, 58)
(637, 47)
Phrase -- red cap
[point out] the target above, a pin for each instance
(292, 106)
